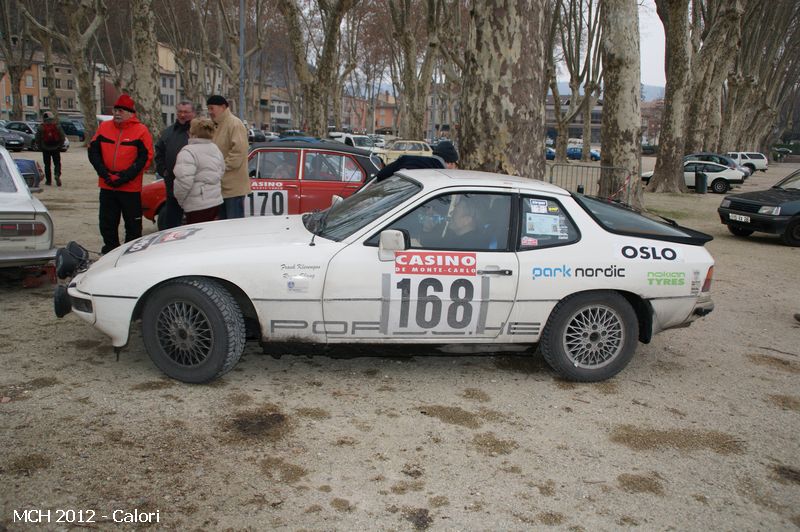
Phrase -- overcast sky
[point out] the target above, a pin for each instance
(652, 44)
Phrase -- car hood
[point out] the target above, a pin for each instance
(772, 196)
(224, 236)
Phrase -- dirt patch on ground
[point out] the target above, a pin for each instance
(787, 474)
(279, 471)
(23, 390)
(641, 483)
(262, 424)
(489, 444)
(648, 439)
(770, 361)
(27, 464)
(787, 402)
(453, 415)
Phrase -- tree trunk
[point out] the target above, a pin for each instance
(50, 71)
(15, 78)
(712, 65)
(144, 49)
(504, 85)
(668, 174)
(621, 113)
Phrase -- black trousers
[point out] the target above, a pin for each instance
(55, 155)
(171, 214)
(114, 203)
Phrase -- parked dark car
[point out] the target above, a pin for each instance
(74, 129)
(26, 130)
(776, 211)
(576, 153)
(255, 135)
(12, 140)
(649, 149)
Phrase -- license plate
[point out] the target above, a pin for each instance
(740, 218)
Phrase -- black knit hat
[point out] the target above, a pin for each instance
(216, 99)
(446, 151)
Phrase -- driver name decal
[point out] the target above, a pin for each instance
(435, 263)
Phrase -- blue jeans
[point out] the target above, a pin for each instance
(232, 208)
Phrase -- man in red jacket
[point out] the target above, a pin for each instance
(120, 152)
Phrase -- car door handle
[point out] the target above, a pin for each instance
(495, 272)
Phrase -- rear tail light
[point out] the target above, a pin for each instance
(709, 277)
(22, 229)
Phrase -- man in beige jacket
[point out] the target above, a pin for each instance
(231, 139)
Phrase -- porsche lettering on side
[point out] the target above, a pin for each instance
(424, 257)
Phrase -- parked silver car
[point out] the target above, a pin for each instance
(26, 228)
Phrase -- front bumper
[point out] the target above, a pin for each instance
(109, 314)
(763, 223)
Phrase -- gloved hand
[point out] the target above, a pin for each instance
(111, 180)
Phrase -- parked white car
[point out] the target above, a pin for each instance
(752, 160)
(719, 178)
(26, 229)
(422, 257)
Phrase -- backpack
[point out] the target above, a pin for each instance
(50, 134)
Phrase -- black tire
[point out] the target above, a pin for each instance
(738, 231)
(199, 350)
(590, 336)
(791, 237)
(720, 186)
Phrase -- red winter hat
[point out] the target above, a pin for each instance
(125, 102)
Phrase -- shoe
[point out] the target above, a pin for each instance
(58, 180)
(797, 316)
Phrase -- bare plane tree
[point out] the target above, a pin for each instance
(17, 50)
(144, 49)
(81, 20)
(621, 112)
(668, 173)
(504, 85)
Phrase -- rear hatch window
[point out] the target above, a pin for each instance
(623, 220)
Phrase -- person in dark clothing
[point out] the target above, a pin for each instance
(172, 139)
(448, 153)
(408, 162)
(50, 138)
(120, 152)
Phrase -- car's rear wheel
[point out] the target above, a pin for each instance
(590, 336)
(193, 329)
(720, 186)
(738, 231)
(791, 236)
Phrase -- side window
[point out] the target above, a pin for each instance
(545, 224)
(252, 166)
(277, 165)
(691, 167)
(352, 172)
(755, 155)
(469, 222)
(712, 168)
(327, 167)
(743, 156)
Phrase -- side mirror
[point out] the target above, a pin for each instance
(391, 240)
(335, 200)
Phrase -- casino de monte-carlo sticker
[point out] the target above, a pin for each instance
(434, 294)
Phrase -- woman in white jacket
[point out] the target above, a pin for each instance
(198, 173)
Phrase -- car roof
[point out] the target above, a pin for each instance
(441, 178)
(316, 145)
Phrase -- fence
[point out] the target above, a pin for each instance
(586, 179)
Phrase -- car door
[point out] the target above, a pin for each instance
(689, 170)
(325, 174)
(448, 285)
(274, 183)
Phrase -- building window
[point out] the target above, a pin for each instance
(29, 100)
(70, 84)
(163, 82)
(69, 71)
(172, 99)
(70, 103)
(45, 101)
(56, 70)
(171, 83)
(29, 81)
(58, 102)
(58, 83)
(44, 82)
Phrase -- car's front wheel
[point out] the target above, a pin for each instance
(590, 336)
(720, 186)
(738, 231)
(193, 329)
(791, 236)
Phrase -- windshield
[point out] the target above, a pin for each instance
(790, 183)
(350, 215)
(363, 142)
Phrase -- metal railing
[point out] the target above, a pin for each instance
(585, 179)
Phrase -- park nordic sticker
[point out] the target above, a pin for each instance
(434, 263)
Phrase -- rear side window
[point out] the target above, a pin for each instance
(274, 165)
(6, 181)
(755, 156)
(331, 167)
(545, 224)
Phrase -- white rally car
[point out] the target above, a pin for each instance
(423, 257)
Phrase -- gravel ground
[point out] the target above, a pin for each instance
(699, 432)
